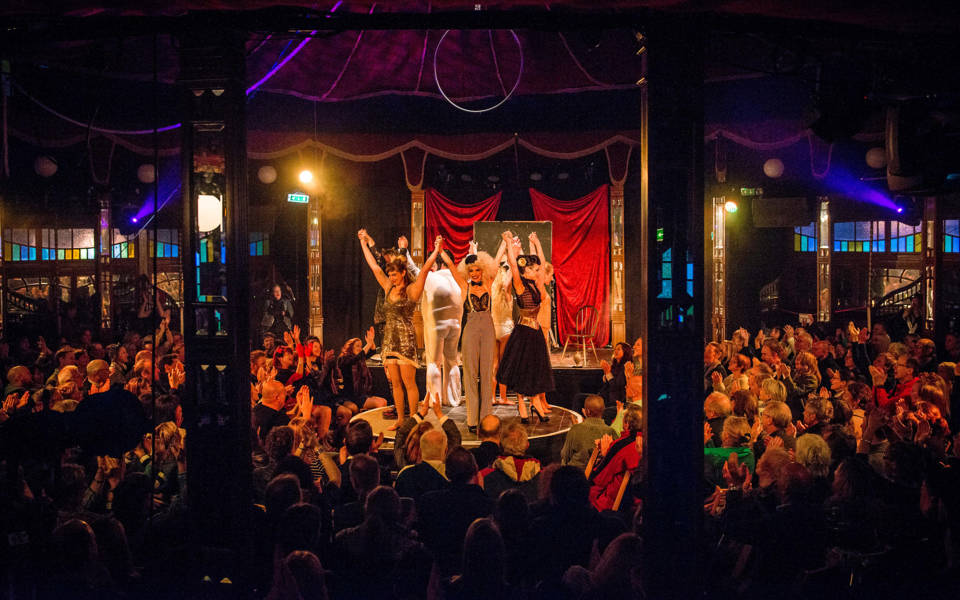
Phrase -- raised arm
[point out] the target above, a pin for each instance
(457, 275)
(512, 259)
(536, 248)
(372, 262)
(416, 288)
(501, 252)
(412, 267)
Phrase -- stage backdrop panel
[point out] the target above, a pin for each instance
(487, 234)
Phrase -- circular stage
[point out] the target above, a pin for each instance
(543, 436)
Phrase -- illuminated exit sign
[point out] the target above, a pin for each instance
(298, 198)
(746, 192)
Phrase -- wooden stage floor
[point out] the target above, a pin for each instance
(570, 379)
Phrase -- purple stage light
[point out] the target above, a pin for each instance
(134, 220)
(900, 209)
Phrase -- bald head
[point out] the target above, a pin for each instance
(489, 430)
(272, 391)
(433, 445)
(593, 406)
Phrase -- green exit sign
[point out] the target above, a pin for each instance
(298, 198)
(746, 192)
(659, 234)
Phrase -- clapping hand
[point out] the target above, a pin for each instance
(707, 432)
(368, 337)
(734, 473)
(877, 375)
(402, 242)
(296, 334)
(176, 376)
(438, 243)
(715, 378)
(605, 366)
(473, 247)
(605, 442)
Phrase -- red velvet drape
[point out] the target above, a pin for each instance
(581, 256)
(454, 222)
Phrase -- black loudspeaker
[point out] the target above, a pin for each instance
(904, 168)
(781, 212)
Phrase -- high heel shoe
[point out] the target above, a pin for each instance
(520, 407)
(543, 418)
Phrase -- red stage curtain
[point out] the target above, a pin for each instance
(581, 256)
(455, 221)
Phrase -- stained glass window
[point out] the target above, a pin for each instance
(805, 238)
(67, 244)
(166, 244)
(19, 244)
(905, 238)
(951, 236)
(854, 236)
(259, 243)
(124, 246)
(666, 274)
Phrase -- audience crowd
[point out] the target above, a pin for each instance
(830, 467)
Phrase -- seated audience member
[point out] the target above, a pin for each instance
(817, 413)
(299, 577)
(736, 440)
(269, 412)
(712, 354)
(582, 437)
(716, 408)
(429, 474)
(489, 449)
(616, 575)
(483, 567)
(564, 534)
(358, 441)
(512, 516)
(381, 554)
(416, 423)
(616, 459)
(513, 469)
(745, 405)
(776, 423)
(443, 516)
(364, 477)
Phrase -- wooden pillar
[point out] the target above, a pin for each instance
(673, 203)
(932, 260)
(104, 275)
(417, 199)
(618, 165)
(315, 265)
(824, 254)
(618, 319)
(719, 305)
(216, 394)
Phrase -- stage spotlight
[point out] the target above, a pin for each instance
(306, 176)
(908, 210)
(730, 206)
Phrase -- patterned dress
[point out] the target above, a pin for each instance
(399, 338)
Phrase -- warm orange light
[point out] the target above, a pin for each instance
(306, 176)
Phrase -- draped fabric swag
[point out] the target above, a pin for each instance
(581, 256)
(455, 221)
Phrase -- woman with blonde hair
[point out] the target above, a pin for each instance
(474, 275)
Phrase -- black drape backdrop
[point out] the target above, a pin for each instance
(358, 195)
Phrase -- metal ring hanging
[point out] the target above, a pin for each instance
(516, 84)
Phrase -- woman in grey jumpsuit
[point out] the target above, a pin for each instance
(478, 344)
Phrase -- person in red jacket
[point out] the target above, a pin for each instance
(617, 457)
(905, 372)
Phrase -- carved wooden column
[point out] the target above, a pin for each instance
(315, 265)
(931, 257)
(719, 312)
(414, 160)
(618, 163)
(824, 253)
(104, 249)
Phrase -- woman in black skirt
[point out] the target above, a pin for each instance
(525, 366)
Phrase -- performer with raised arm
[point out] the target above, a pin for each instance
(501, 308)
(525, 365)
(474, 276)
(441, 308)
(545, 315)
(399, 350)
